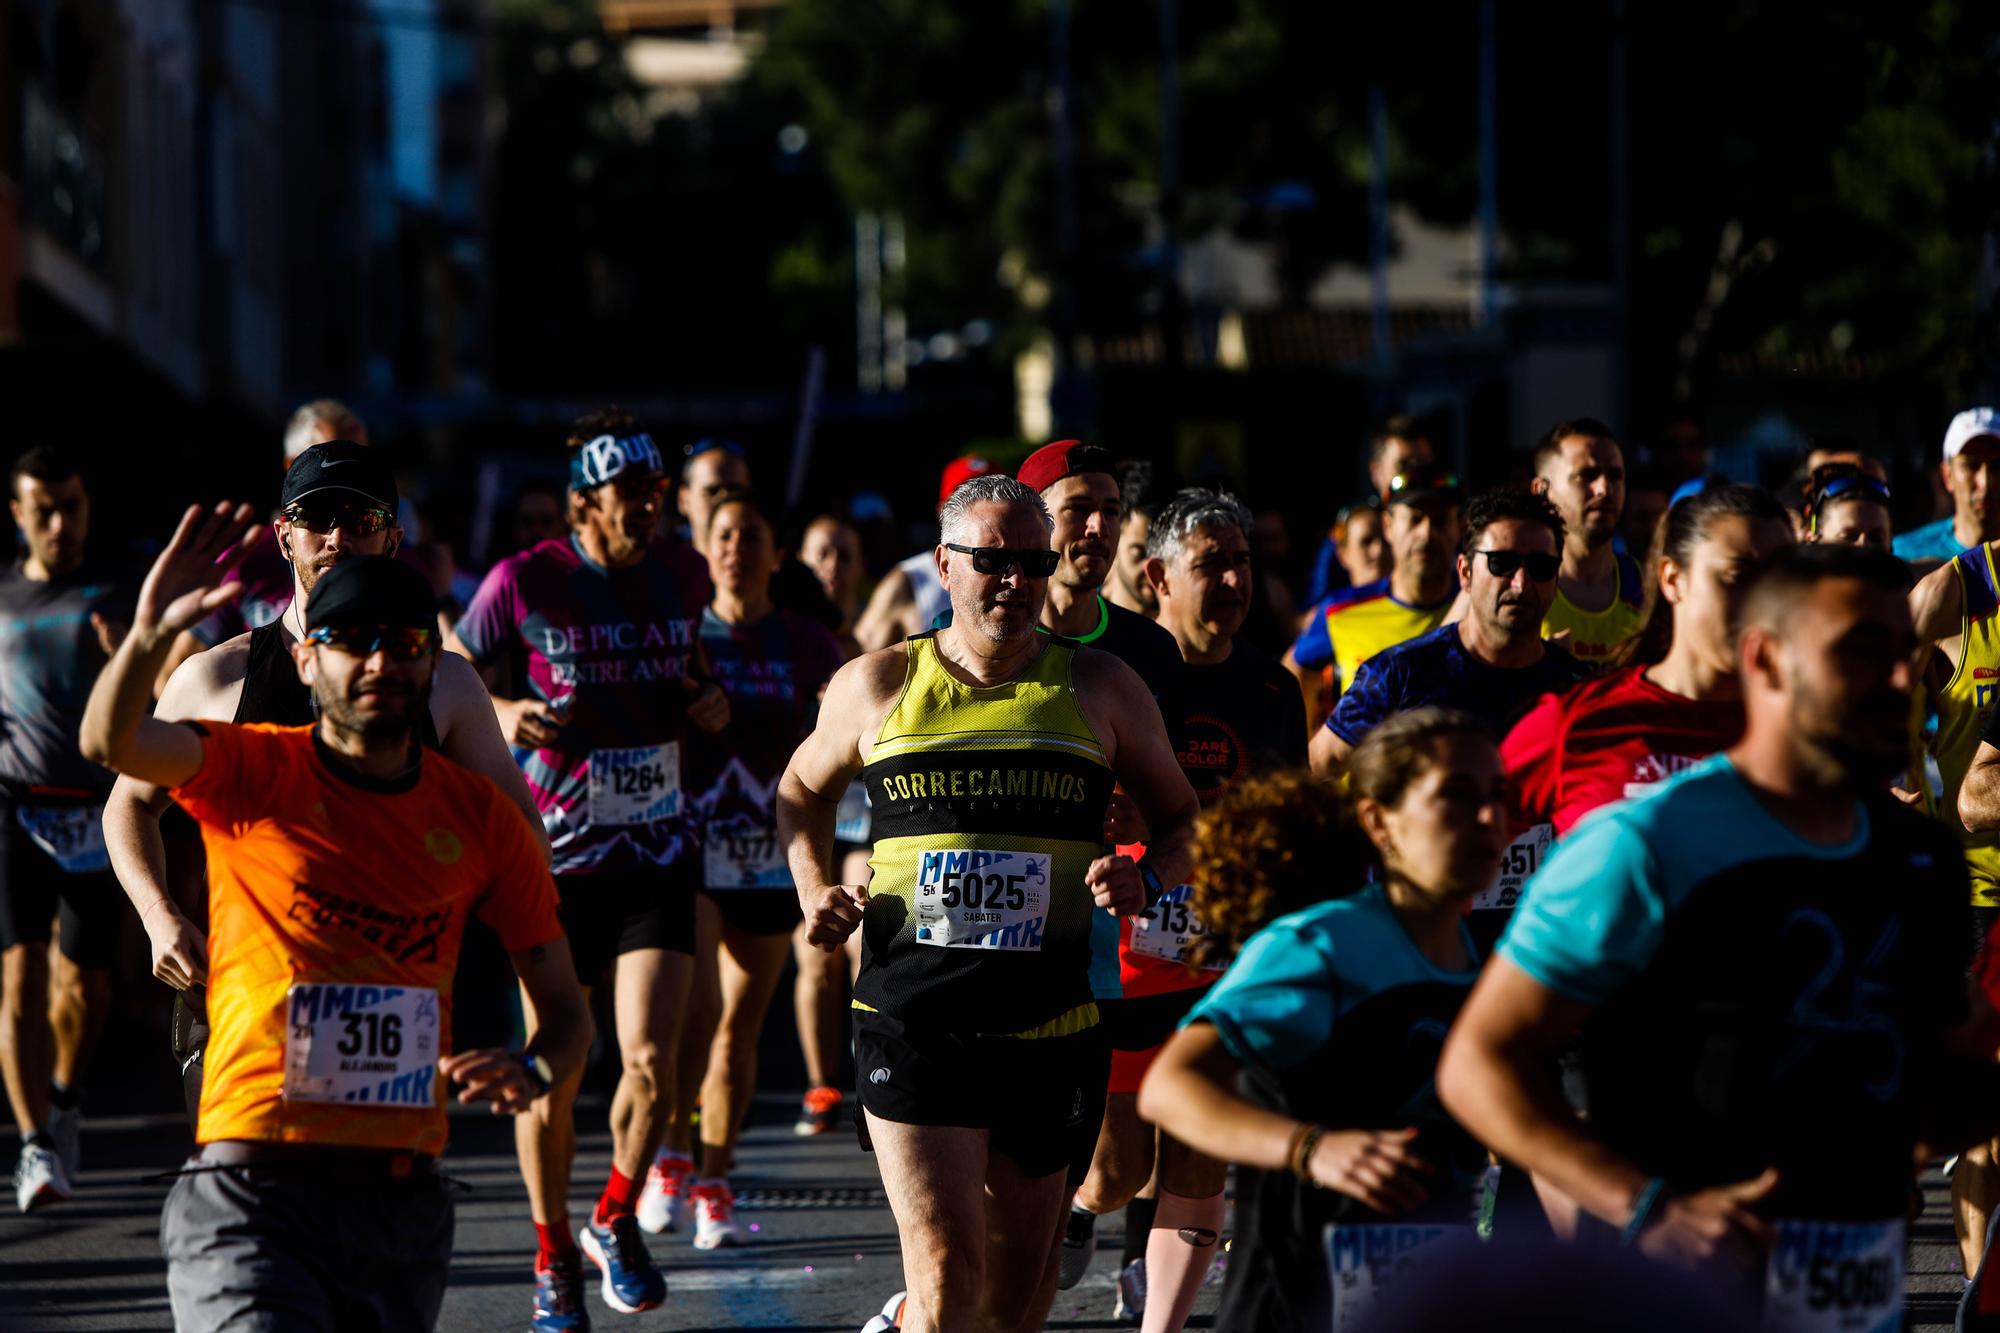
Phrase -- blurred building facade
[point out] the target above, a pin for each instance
(262, 201)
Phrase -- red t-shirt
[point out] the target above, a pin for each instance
(1605, 740)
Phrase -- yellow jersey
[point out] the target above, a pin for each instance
(1356, 623)
(1963, 704)
(1595, 636)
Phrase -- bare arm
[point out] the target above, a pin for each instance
(1143, 758)
(887, 618)
(1498, 1077)
(469, 732)
(186, 645)
(1937, 605)
(526, 723)
(1979, 794)
(561, 1034)
(1309, 683)
(179, 590)
(1328, 753)
(809, 793)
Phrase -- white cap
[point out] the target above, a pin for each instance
(1971, 424)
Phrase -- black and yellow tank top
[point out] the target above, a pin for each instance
(988, 806)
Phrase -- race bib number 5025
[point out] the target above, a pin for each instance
(982, 900)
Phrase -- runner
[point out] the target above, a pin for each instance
(1677, 701)
(1847, 505)
(60, 616)
(989, 751)
(910, 597)
(1492, 664)
(598, 634)
(1600, 593)
(831, 549)
(773, 664)
(712, 468)
(1398, 446)
(1971, 449)
(1236, 715)
(1765, 1031)
(1140, 499)
(1311, 1062)
(1422, 527)
(338, 502)
(345, 862)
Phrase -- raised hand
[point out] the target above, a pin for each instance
(182, 587)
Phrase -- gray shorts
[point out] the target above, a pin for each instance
(266, 1250)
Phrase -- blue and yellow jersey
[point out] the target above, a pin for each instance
(1964, 703)
(1595, 636)
(1352, 626)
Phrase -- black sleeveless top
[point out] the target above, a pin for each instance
(273, 692)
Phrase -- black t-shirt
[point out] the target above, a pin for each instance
(1240, 716)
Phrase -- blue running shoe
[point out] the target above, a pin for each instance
(559, 1299)
(631, 1282)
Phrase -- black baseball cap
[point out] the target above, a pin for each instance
(341, 465)
(372, 590)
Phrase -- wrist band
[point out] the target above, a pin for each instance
(1151, 879)
(1304, 1140)
(1642, 1211)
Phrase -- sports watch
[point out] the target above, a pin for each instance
(539, 1071)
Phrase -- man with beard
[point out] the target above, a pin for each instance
(1237, 714)
(338, 502)
(591, 645)
(345, 862)
(1599, 594)
(1422, 523)
(989, 751)
(1128, 586)
(1767, 1034)
(1971, 451)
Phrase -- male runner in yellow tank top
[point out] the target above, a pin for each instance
(1598, 600)
(989, 751)
(1957, 612)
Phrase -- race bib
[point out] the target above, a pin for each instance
(742, 856)
(1170, 927)
(1365, 1260)
(1523, 857)
(365, 1045)
(1835, 1277)
(71, 834)
(851, 818)
(637, 786)
(983, 900)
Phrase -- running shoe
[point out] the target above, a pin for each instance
(559, 1306)
(819, 1112)
(1079, 1244)
(66, 1128)
(1130, 1307)
(39, 1178)
(715, 1215)
(891, 1316)
(663, 1199)
(631, 1282)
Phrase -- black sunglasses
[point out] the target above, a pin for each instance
(406, 645)
(1541, 565)
(323, 516)
(996, 560)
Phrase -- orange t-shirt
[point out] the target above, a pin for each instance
(336, 907)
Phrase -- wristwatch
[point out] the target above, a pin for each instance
(539, 1071)
(1151, 879)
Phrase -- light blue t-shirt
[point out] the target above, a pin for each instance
(1933, 541)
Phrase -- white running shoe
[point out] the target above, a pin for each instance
(663, 1199)
(1131, 1305)
(715, 1215)
(891, 1317)
(39, 1178)
(66, 1128)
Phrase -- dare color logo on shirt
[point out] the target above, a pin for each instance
(1211, 751)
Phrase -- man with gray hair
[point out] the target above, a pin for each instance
(1236, 713)
(989, 751)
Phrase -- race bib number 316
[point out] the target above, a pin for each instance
(982, 900)
(1835, 1277)
(635, 786)
(369, 1045)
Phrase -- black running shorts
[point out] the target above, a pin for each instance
(1042, 1098)
(757, 911)
(623, 911)
(87, 908)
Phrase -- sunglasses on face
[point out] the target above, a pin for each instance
(363, 520)
(639, 485)
(1540, 564)
(405, 645)
(993, 561)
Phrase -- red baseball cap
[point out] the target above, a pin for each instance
(1065, 458)
(959, 471)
